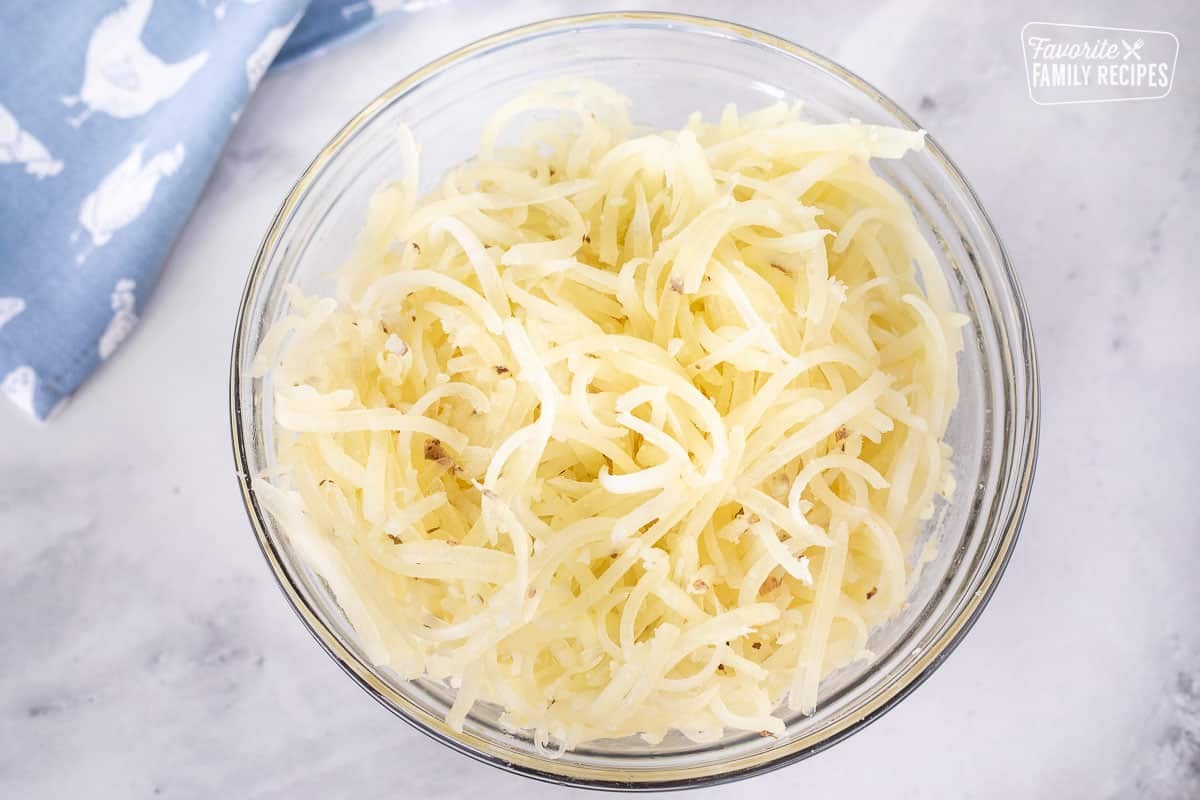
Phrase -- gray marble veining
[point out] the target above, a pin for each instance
(145, 652)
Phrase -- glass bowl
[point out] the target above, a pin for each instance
(670, 65)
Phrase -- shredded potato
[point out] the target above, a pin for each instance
(624, 432)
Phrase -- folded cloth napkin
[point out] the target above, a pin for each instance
(112, 115)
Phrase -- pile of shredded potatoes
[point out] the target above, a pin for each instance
(622, 431)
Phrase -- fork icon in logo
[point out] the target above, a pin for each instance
(1132, 49)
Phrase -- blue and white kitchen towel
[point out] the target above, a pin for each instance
(112, 115)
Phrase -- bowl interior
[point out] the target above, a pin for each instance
(671, 67)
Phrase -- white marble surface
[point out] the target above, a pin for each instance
(145, 651)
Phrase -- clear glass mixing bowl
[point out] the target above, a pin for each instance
(670, 66)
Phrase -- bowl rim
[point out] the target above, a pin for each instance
(1024, 447)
